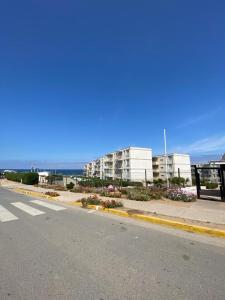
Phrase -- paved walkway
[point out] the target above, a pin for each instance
(201, 210)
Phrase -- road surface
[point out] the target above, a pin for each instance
(61, 252)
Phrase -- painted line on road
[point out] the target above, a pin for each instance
(6, 216)
(48, 205)
(91, 211)
(28, 209)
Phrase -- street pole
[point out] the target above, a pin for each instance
(167, 179)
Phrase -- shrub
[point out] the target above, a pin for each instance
(137, 195)
(106, 193)
(211, 185)
(84, 189)
(144, 194)
(97, 182)
(179, 195)
(179, 181)
(111, 204)
(94, 200)
(52, 194)
(30, 178)
(70, 186)
(135, 183)
(123, 191)
(26, 178)
(84, 202)
(159, 182)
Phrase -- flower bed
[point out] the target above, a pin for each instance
(94, 200)
(52, 194)
(179, 195)
(111, 204)
(145, 194)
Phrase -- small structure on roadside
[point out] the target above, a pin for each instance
(43, 177)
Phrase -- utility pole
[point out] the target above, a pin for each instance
(179, 172)
(165, 147)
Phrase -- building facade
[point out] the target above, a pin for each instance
(178, 165)
(132, 163)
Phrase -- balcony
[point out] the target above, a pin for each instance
(108, 167)
(108, 159)
(155, 174)
(118, 167)
(119, 155)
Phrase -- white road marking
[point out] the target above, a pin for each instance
(91, 211)
(28, 209)
(48, 205)
(6, 215)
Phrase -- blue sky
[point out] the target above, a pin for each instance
(81, 78)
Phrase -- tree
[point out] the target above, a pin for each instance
(158, 182)
(179, 181)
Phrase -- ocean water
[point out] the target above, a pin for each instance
(68, 172)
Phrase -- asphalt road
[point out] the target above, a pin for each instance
(80, 254)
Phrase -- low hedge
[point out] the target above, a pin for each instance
(211, 185)
(144, 194)
(26, 178)
(97, 182)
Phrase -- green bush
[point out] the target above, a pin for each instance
(211, 185)
(159, 182)
(52, 194)
(26, 178)
(137, 195)
(97, 182)
(144, 194)
(30, 178)
(70, 186)
(94, 200)
(178, 181)
(84, 202)
(111, 204)
(115, 194)
(135, 183)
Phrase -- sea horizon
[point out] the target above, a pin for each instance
(70, 172)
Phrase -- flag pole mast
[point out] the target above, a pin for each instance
(165, 148)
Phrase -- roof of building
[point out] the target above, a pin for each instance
(171, 154)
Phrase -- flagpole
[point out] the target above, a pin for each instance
(165, 147)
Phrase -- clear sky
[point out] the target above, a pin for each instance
(81, 78)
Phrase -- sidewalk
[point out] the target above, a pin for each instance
(201, 210)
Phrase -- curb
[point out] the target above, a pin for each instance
(32, 193)
(214, 232)
(169, 223)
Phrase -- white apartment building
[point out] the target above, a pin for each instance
(132, 163)
(178, 165)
